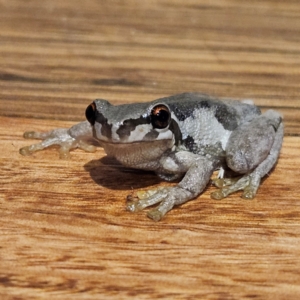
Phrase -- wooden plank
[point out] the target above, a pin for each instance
(64, 230)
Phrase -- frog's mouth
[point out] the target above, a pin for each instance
(137, 153)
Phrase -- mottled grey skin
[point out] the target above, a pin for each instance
(203, 134)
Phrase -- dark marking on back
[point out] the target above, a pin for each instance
(183, 105)
(226, 115)
(205, 104)
(189, 143)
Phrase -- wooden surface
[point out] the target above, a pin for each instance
(64, 231)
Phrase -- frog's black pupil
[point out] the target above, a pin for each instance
(90, 113)
(163, 116)
(160, 117)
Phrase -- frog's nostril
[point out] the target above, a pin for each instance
(90, 113)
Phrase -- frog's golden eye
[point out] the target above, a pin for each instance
(160, 116)
(90, 113)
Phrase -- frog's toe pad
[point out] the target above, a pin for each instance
(134, 206)
(218, 195)
(249, 193)
(155, 215)
(29, 135)
(25, 151)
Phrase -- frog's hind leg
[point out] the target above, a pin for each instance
(250, 143)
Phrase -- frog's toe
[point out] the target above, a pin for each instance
(140, 195)
(166, 198)
(247, 183)
(222, 182)
(86, 146)
(155, 214)
(28, 150)
(29, 134)
(35, 135)
(219, 194)
(218, 182)
(145, 199)
(249, 192)
(66, 146)
(133, 206)
(25, 151)
(64, 152)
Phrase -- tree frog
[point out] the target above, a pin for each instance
(185, 137)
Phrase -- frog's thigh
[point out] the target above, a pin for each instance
(251, 143)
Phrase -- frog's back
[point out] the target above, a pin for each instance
(206, 122)
(230, 113)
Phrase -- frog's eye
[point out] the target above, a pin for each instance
(160, 116)
(90, 113)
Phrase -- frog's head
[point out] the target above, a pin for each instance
(142, 129)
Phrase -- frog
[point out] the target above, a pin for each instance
(183, 138)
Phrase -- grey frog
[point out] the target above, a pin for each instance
(185, 136)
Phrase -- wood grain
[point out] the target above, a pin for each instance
(64, 230)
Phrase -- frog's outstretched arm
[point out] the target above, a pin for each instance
(78, 136)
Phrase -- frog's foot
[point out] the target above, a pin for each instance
(222, 182)
(248, 183)
(167, 197)
(57, 137)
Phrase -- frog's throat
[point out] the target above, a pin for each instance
(138, 154)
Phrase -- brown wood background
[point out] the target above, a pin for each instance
(64, 231)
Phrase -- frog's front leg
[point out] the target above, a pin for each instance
(252, 150)
(198, 172)
(75, 137)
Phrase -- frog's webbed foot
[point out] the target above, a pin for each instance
(248, 183)
(167, 198)
(58, 137)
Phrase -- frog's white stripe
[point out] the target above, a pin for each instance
(101, 137)
(137, 134)
(142, 130)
